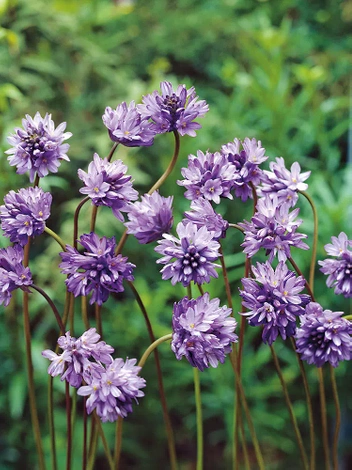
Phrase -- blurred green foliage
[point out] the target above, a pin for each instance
(275, 70)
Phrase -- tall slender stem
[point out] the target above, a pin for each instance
(197, 396)
(56, 237)
(69, 426)
(299, 272)
(98, 319)
(85, 429)
(53, 307)
(324, 424)
(118, 442)
(335, 448)
(151, 348)
(315, 239)
(104, 441)
(51, 424)
(112, 151)
(75, 220)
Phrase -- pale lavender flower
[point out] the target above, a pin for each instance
(97, 270)
(202, 331)
(127, 127)
(113, 393)
(339, 270)
(324, 336)
(208, 175)
(194, 253)
(173, 110)
(38, 147)
(274, 300)
(13, 275)
(150, 217)
(24, 214)
(107, 184)
(203, 214)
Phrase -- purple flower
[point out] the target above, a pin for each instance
(107, 184)
(339, 270)
(38, 147)
(273, 228)
(324, 336)
(195, 252)
(24, 214)
(203, 215)
(273, 300)
(173, 110)
(73, 364)
(127, 127)
(282, 182)
(202, 331)
(13, 274)
(208, 175)
(97, 270)
(112, 394)
(150, 218)
(246, 163)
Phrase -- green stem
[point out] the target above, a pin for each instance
(236, 226)
(85, 429)
(99, 323)
(75, 220)
(105, 442)
(290, 409)
(92, 445)
(69, 426)
(335, 446)
(56, 237)
(93, 218)
(53, 307)
(315, 238)
(118, 442)
(347, 317)
(112, 151)
(51, 424)
(151, 348)
(324, 424)
(197, 396)
(299, 272)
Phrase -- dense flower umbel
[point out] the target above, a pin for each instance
(74, 363)
(97, 270)
(324, 336)
(246, 162)
(114, 391)
(13, 274)
(273, 300)
(282, 182)
(150, 218)
(173, 110)
(195, 252)
(38, 147)
(107, 184)
(127, 127)
(202, 331)
(203, 214)
(339, 270)
(273, 228)
(24, 214)
(208, 175)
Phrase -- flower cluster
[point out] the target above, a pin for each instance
(107, 184)
(150, 218)
(13, 274)
(173, 110)
(195, 252)
(339, 270)
(203, 215)
(24, 214)
(202, 331)
(324, 336)
(97, 270)
(273, 300)
(38, 147)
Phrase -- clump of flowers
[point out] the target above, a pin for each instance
(173, 110)
(339, 270)
(127, 127)
(13, 275)
(202, 331)
(194, 253)
(97, 271)
(38, 147)
(324, 336)
(150, 217)
(203, 215)
(24, 214)
(108, 185)
(274, 301)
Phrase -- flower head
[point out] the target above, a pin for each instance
(38, 147)
(173, 110)
(273, 300)
(202, 331)
(194, 252)
(203, 215)
(13, 274)
(24, 214)
(339, 270)
(324, 336)
(97, 270)
(127, 127)
(150, 218)
(107, 184)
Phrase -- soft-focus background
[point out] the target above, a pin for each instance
(275, 70)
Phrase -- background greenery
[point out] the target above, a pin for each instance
(275, 70)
